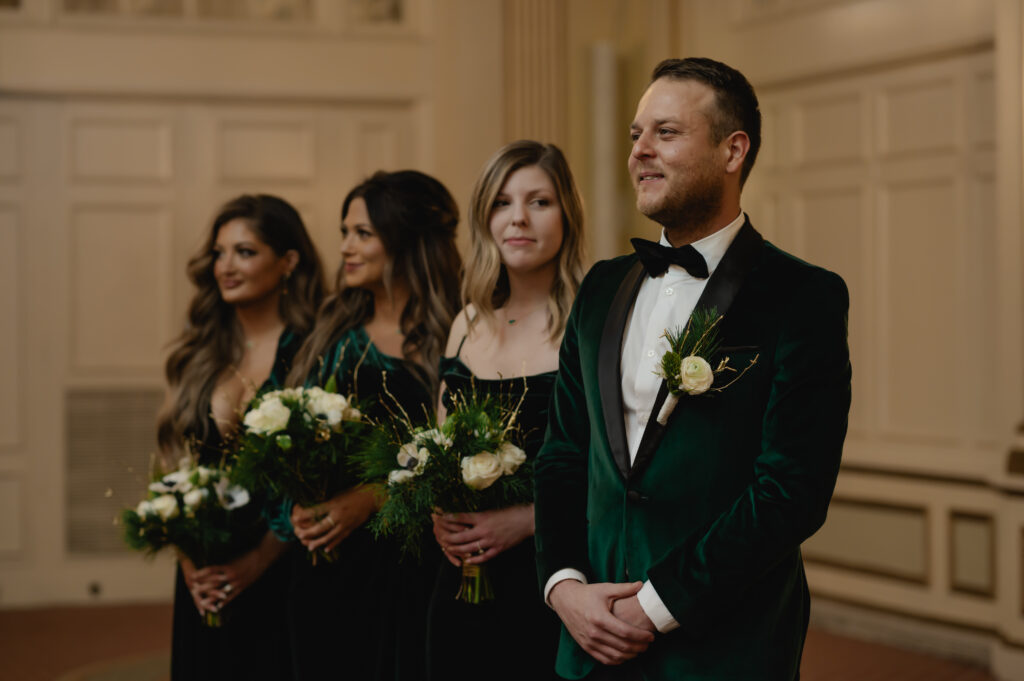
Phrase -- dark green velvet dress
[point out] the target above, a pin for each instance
(252, 643)
(514, 636)
(363, 616)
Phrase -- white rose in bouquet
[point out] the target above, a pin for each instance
(695, 375)
(481, 470)
(194, 498)
(329, 406)
(166, 506)
(400, 475)
(145, 508)
(512, 457)
(270, 417)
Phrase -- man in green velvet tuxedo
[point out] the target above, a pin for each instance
(672, 551)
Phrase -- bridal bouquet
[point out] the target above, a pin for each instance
(468, 463)
(198, 510)
(686, 367)
(296, 444)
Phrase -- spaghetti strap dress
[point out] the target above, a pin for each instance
(516, 635)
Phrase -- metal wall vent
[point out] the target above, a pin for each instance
(111, 435)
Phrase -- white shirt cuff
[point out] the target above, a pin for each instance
(561, 576)
(650, 603)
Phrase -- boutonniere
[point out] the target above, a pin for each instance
(686, 367)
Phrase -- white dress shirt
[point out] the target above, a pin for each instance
(662, 303)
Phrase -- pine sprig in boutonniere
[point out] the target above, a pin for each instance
(686, 367)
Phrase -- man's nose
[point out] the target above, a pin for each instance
(641, 146)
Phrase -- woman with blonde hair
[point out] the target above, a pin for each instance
(381, 336)
(259, 282)
(527, 254)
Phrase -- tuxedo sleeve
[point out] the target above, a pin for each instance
(560, 471)
(802, 432)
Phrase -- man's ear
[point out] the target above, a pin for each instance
(736, 147)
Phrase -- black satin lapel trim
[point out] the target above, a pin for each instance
(609, 379)
(721, 290)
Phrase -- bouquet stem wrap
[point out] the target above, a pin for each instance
(476, 585)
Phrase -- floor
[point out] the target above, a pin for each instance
(129, 643)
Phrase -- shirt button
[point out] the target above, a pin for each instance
(668, 291)
(650, 353)
(642, 420)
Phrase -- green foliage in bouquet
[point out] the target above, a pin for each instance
(198, 510)
(296, 443)
(469, 463)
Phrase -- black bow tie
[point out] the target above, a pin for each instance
(656, 258)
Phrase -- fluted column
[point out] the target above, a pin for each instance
(535, 70)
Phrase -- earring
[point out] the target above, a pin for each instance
(284, 283)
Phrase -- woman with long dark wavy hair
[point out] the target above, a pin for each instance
(526, 235)
(259, 281)
(381, 335)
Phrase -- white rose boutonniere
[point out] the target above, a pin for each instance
(695, 375)
(686, 367)
(481, 470)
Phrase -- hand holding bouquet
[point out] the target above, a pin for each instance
(296, 445)
(467, 464)
(198, 510)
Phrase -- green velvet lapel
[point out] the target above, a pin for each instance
(610, 362)
(719, 293)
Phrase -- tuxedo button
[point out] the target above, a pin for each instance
(650, 353)
(669, 291)
(636, 497)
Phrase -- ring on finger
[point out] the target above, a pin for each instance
(228, 588)
(330, 520)
(479, 547)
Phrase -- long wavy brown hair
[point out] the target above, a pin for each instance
(415, 217)
(485, 285)
(212, 340)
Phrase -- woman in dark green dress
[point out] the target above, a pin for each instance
(527, 243)
(259, 282)
(362, 616)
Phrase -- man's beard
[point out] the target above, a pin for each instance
(691, 209)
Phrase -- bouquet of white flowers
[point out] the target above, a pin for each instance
(469, 463)
(296, 444)
(198, 510)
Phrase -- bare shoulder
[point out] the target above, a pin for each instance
(458, 330)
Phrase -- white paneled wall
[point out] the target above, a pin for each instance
(121, 194)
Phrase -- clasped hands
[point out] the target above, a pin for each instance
(605, 619)
(215, 586)
(478, 537)
(325, 525)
